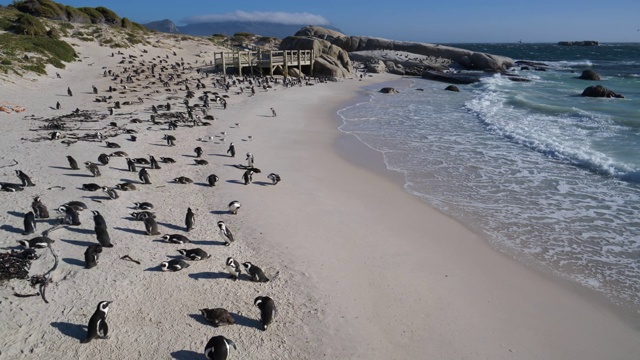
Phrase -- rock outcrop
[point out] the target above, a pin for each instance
(589, 75)
(579, 43)
(388, 90)
(330, 60)
(600, 91)
(452, 88)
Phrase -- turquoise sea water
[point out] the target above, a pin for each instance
(545, 175)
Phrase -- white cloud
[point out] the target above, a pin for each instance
(262, 16)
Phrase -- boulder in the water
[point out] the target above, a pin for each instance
(388, 90)
(600, 91)
(589, 75)
(452, 88)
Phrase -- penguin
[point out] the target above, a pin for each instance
(93, 168)
(218, 316)
(69, 92)
(176, 239)
(118, 154)
(26, 180)
(73, 164)
(100, 227)
(76, 205)
(103, 159)
(170, 140)
(267, 310)
(234, 206)
(167, 160)
(112, 145)
(55, 135)
(29, 223)
(154, 163)
(143, 175)
(58, 106)
(174, 265)
(198, 151)
(183, 180)
(133, 138)
(91, 256)
(247, 177)
(231, 150)
(141, 161)
(201, 162)
(233, 268)
(36, 243)
(91, 187)
(97, 328)
(131, 165)
(8, 187)
(141, 215)
(39, 209)
(94, 88)
(194, 254)
(112, 193)
(275, 178)
(225, 233)
(143, 205)
(212, 179)
(189, 220)
(151, 226)
(249, 160)
(217, 348)
(28, 254)
(126, 187)
(255, 272)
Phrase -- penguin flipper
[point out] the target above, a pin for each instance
(103, 330)
(230, 342)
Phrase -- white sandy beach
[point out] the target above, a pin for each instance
(365, 270)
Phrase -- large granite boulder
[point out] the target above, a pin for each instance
(600, 91)
(330, 60)
(589, 75)
(452, 88)
(376, 67)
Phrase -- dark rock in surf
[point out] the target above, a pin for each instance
(589, 75)
(600, 91)
(452, 88)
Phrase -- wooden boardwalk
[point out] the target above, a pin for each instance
(264, 62)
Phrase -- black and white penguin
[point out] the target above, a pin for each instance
(194, 254)
(174, 265)
(133, 138)
(58, 106)
(143, 175)
(29, 223)
(76, 205)
(94, 88)
(141, 161)
(233, 268)
(39, 209)
(225, 233)
(255, 272)
(112, 145)
(183, 180)
(247, 177)
(91, 256)
(69, 92)
(141, 215)
(234, 206)
(39, 242)
(275, 178)
(176, 239)
(91, 187)
(73, 164)
(218, 316)
(249, 160)
(217, 348)
(118, 154)
(167, 160)
(55, 135)
(9, 187)
(93, 168)
(267, 310)
(189, 220)
(231, 150)
(170, 140)
(26, 180)
(103, 159)
(212, 179)
(100, 227)
(151, 226)
(143, 205)
(131, 165)
(198, 151)
(126, 187)
(71, 216)
(97, 328)
(201, 162)
(154, 163)
(111, 192)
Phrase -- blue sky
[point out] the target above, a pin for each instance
(413, 20)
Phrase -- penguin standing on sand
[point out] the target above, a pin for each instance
(103, 159)
(189, 220)
(151, 226)
(267, 310)
(71, 216)
(255, 272)
(39, 209)
(111, 192)
(170, 140)
(233, 268)
(29, 223)
(212, 179)
(91, 256)
(97, 328)
(198, 151)
(73, 164)
(58, 106)
(234, 206)
(247, 177)
(93, 168)
(217, 348)
(154, 163)
(26, 180)
(225, 233)
(231, 150)
(249, 160)
(143, 175)
(131, 165)
(69, 92)
(100, 227)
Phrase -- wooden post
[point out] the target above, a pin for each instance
(311, 66)
(270, 62)
(224, 64)
(299, 64)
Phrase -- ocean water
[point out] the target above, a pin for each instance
(547, 176)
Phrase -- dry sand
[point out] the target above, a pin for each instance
(365, 270)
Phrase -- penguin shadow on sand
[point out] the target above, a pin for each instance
(186, 355)
(76, 331)
(121, 169)
(131, 231)
(78, 242)
(11, 229)
(16, 214)
(96, 198)
(262, 183)
(220, 212)
(208, 275)
(242, 320)
(75, 262)
(202, 184)
(189, 155)
(61, 167)
(79, 230)
(235, 182)
(221, 155)
(171, 226)
(79, 175)
(155, 268)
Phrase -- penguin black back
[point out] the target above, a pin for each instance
(98, 328)
(91, 256)
(189, 220)
(217, 348)
(267, 310)
(29, 223)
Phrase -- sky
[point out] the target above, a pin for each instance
(463, 21)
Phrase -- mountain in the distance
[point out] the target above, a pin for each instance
(229, 28)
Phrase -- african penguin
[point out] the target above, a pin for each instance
(112, 145)
(151, 226)
(249, 160)
(189, 220)
(275, 178)
(69, 92)
(231, 150)
(176, 238)
(103, 159)
(76, 205)
(255, 272)
(91, 187)
(217, 348)
(198, 151)
(119, 154)
(93, 168)
(126, 186)
(170, 140)
(154, 163)
(167, 160)
(111, 193)
(100, 227)
(234, 206)
(71, 216)
(26, 180)
(97, 328)
(29, 223)
(174, 265)
(218, 316)
(143, 175)
(39, 209)
(143, 205)
(73, 164)
(267, 310)
(91, 256)
(38, 242)
(141, 161)
(233, 268)
(247, 177)
(225, 233)
(212, 179)
(183, 180)
(201, 162)
(194, 254)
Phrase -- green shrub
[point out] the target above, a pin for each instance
(29, 25)
(94, 15)
(77, 16)
(110, 17)
(53, 33)
(42, 8)
(5, 62)
(243, 34)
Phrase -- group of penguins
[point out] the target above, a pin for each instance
(218, 347)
